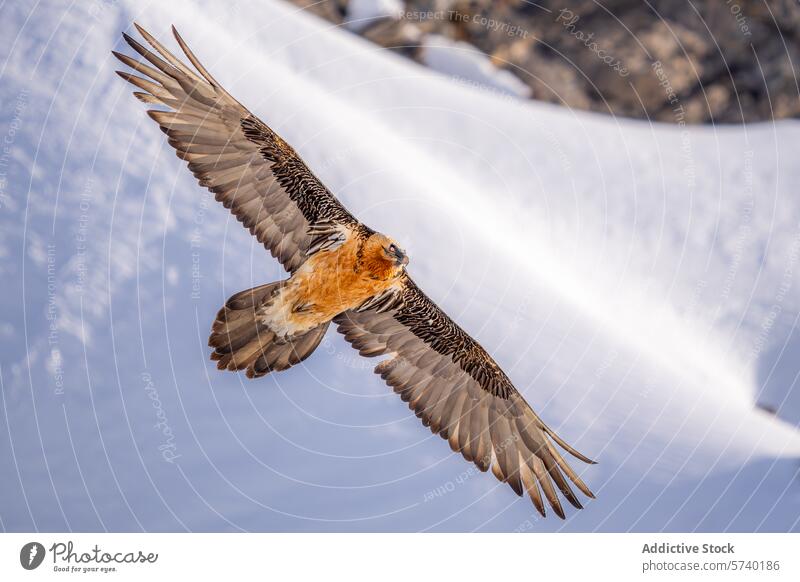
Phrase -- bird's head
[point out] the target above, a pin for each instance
(383, 257)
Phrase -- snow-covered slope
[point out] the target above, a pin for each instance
(637, 282)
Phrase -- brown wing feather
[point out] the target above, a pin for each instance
(458, 390)
(250, 169)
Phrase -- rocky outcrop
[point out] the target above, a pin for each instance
(722, 61)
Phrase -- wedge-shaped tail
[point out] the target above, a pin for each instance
(242, 341)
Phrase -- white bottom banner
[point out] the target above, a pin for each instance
(399, 556)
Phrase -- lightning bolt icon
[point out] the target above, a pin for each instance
(34, 551)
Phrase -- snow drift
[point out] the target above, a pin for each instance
(637, 282)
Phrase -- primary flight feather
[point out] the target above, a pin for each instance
(340, 271)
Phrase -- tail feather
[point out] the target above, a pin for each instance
(242, 341)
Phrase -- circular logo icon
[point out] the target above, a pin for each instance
(31, 555)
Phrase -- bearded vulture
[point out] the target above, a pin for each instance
(340, 271)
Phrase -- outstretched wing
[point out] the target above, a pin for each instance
(460, 392)
(250, 169)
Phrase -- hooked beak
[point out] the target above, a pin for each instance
(401, 258)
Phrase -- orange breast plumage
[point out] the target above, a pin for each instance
(330, 283)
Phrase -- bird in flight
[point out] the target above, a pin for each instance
(340, 271)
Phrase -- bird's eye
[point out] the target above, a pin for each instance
(392, 248)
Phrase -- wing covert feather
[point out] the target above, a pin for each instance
(458, 391)
(249, 168)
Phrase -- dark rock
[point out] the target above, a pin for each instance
(726, 61)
